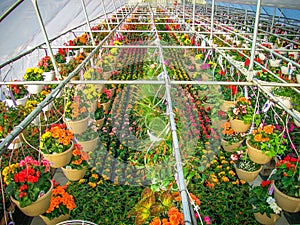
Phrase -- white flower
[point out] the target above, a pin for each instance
(236, 111)
(270, 200)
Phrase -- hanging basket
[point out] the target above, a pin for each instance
(264, 219)
(48, 76)
(297, 114)
(287, 203)
(256, 155)
(99, 123)
(21, 101)
(298, 78)
(230, 147)
(286, 101)
(92, 106)
(247, 176)
(106, 106)
(58, 160)
(227, 105)
(275, 62)
(39, 206)
(89, 146)
(74, 174)
(239, 125)
(34, 88)
(78, 127)
(55, 220)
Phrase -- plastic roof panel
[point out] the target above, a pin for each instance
(20, 30)
(289, 4)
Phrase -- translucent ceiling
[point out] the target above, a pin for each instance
(20, 30)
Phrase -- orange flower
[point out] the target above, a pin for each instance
(269, 129)
(258, 137)
(155, 221)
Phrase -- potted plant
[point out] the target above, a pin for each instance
(241, 115)
(34, 74)
(9, 118)
(264, 143)
(56, 144)
(62, 203)
(16, 95)
(88, 139)
(229, 94)
(265, 209)
(77, 167)
(231, 139)
(105, 99)
(46, 65)
(76, 114)
(283, 94)
(296, 108)
(29, 186)
(246, 169)
(99, 116)
(286, 183)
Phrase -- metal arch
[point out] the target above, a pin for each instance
(36, 7)
(87, 20)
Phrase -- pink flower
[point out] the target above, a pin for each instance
(234, 157)
(206, 219)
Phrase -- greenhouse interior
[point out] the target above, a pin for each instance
(150, 112)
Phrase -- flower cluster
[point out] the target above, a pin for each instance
(56, 139)
(222, 171)
(174, 218)
(81, 40)
(61, 203)
(242, 110)
(18, 91)
(287, 175)
(262, 200)
(242, 161)
(46, 64)
(105, 96)
(33, 74)
(90, 133)
(230, 135)
(77, 109)
(79, 158)
(27, 180)
(268, 139)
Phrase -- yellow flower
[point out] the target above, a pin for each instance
(232, 173)
(224, 162)
(219, 167)
(81, 181)
(242, 181)
(221, 173)
(93, 185)
(94, 175)
(225, 179)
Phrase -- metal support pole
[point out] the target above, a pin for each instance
(183, 11)
(212, 19)
(273, 19)
(194, 12)
(115, 10)
(87, 21)
(103, 6)
(10, 9)
(246, 15)
(250, 75)
(181, 181)
(36, 7)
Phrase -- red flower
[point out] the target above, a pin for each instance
(233, 89)
(22, 194)
(247, 62)
(265, 183)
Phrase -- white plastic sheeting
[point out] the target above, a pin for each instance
(21, 31)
